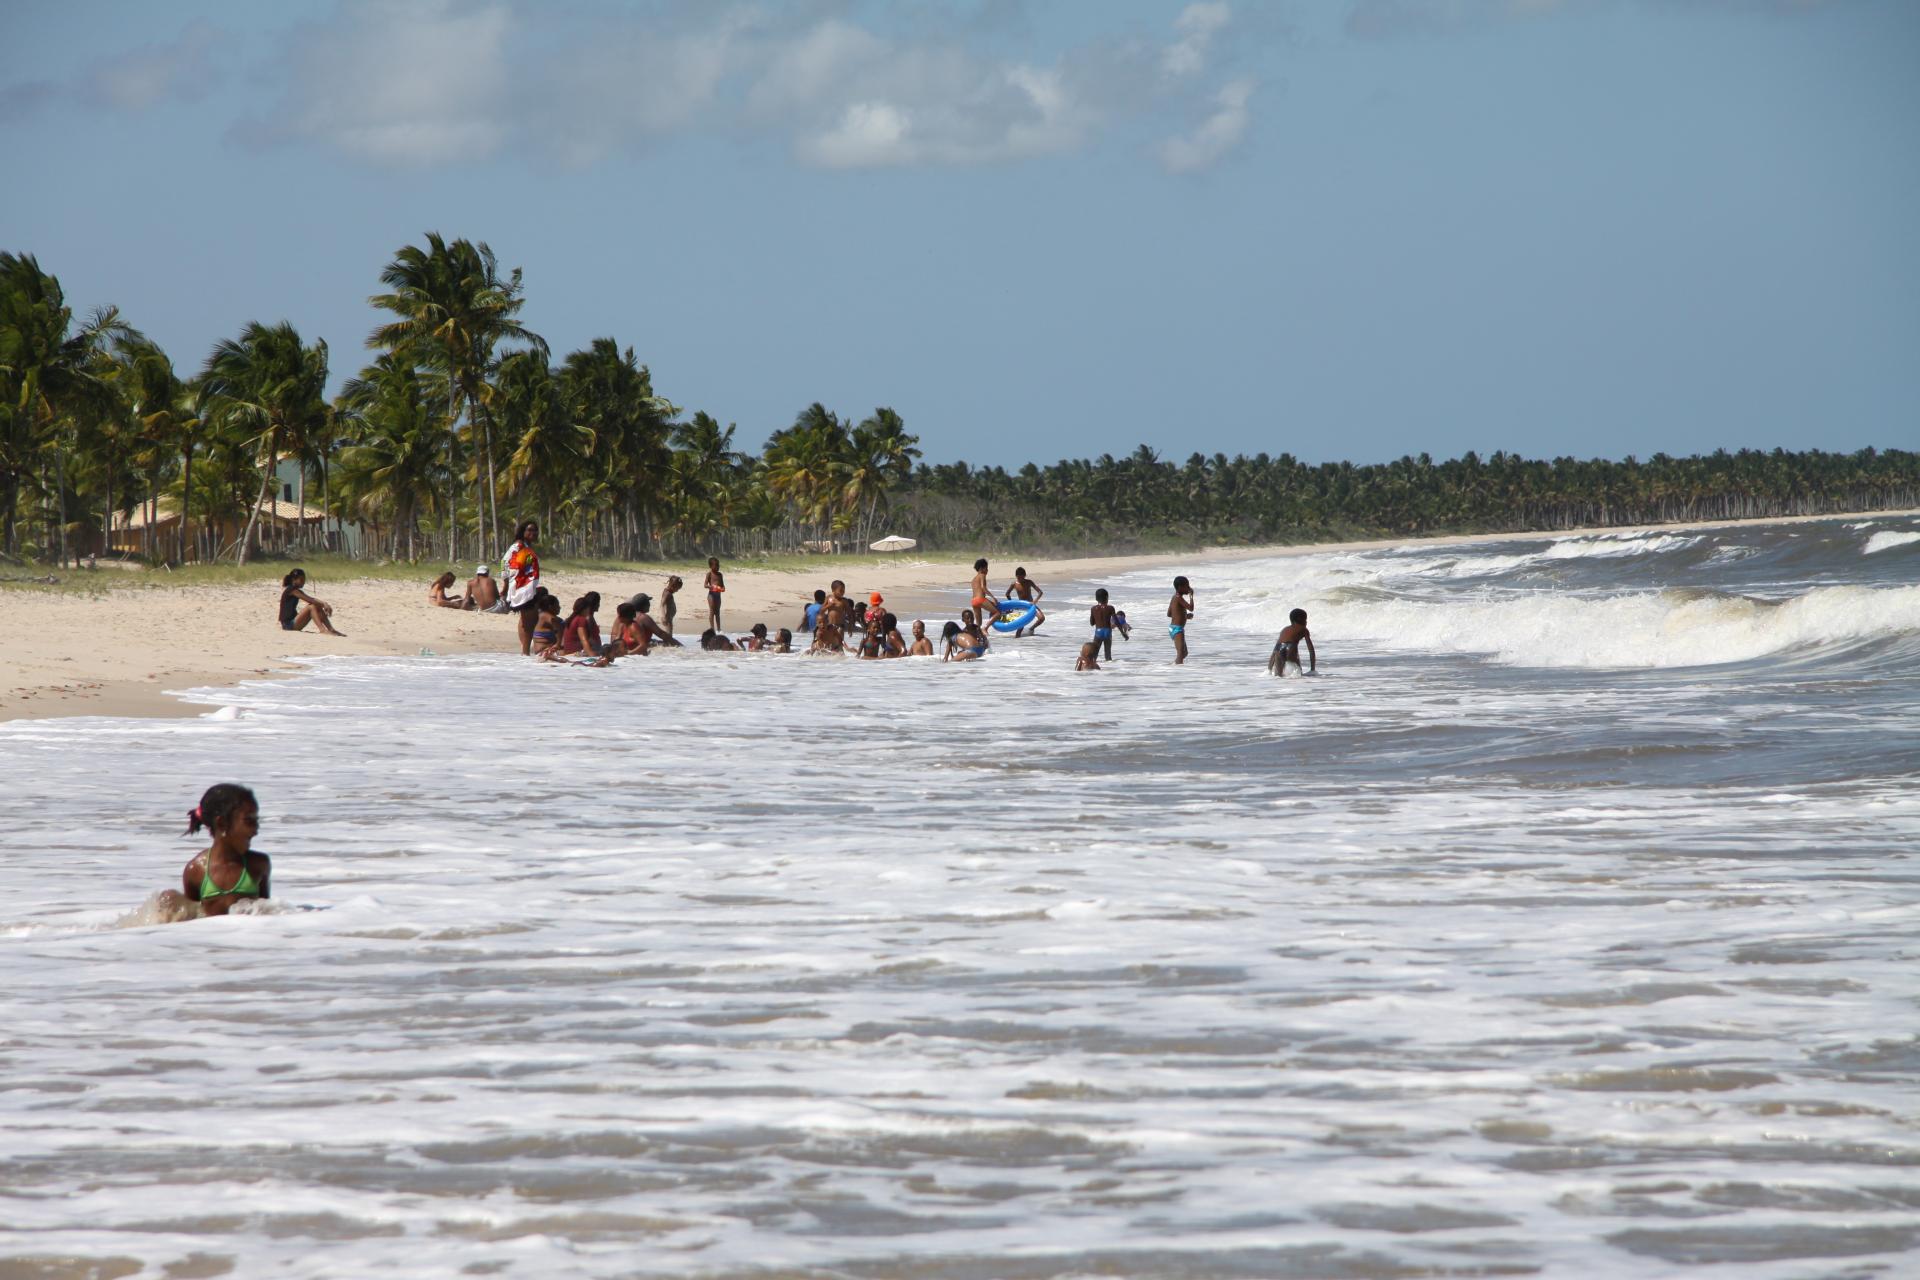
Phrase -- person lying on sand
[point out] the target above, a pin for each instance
(297, 608)
(227, 872)
(437, 593)
(482, 591)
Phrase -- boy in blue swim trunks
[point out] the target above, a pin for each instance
(1179, 614)
(1103, 618)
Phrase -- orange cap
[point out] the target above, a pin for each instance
(875, 598)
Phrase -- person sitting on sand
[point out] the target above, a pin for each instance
(227, 872)
(1287, 648)
(437, 593)
(545, 611)
(921, 646)
(583, 629)
(651, 632)
(297, 608)
(1089, 659)
(483, 592)
(1028, 590)
(965, 640)
(891, 643)
(715, 642)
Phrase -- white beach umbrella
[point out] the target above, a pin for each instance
(893, 542)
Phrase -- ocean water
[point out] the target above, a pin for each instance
(1567, 925)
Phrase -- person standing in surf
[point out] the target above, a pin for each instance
(716, 587)
(523, 579)
(227, 872)
(1101, 618)
(1179, 615)
(668, 606)
(985, 606)
(1028, 590)
(1287, 648)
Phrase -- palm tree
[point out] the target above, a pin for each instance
(264, 385)
(392, 467)
(548, 448)
(453, 303)
(48, 371)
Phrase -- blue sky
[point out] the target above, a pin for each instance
(1346, 230)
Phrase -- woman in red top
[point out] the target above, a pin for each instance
(583, 629)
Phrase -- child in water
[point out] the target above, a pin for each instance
(1179, 614)
(1089, 659)
(227, 872)
(1287, 648)
(1102, 618)
(716, 587)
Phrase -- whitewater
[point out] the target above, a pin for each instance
(1566, 925)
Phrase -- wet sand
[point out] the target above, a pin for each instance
(118, 651)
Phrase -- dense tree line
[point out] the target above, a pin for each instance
(1143, 499)
(462, 421)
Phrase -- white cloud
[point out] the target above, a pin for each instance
(1217, 135)
(414, 84)
(179, 70)
(452, 81)
(1196, 24)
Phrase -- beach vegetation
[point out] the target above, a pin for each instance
(464, 421)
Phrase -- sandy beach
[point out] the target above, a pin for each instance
(118, 651)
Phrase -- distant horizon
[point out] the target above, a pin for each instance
(1590, 228)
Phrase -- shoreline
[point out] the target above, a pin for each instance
(120, 652)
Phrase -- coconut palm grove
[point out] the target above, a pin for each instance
(463, 420)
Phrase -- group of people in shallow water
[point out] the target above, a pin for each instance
(833, 622)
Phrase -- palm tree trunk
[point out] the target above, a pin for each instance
(300, 520)
(186, 497)
(453, 471)
(493, 502)
(266, 481)
(60, 492)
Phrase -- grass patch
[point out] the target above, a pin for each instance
(323, 569)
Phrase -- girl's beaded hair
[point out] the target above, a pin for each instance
(220, 802)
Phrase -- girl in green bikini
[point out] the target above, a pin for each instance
(227, 872)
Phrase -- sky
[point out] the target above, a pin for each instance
(1348, 229)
